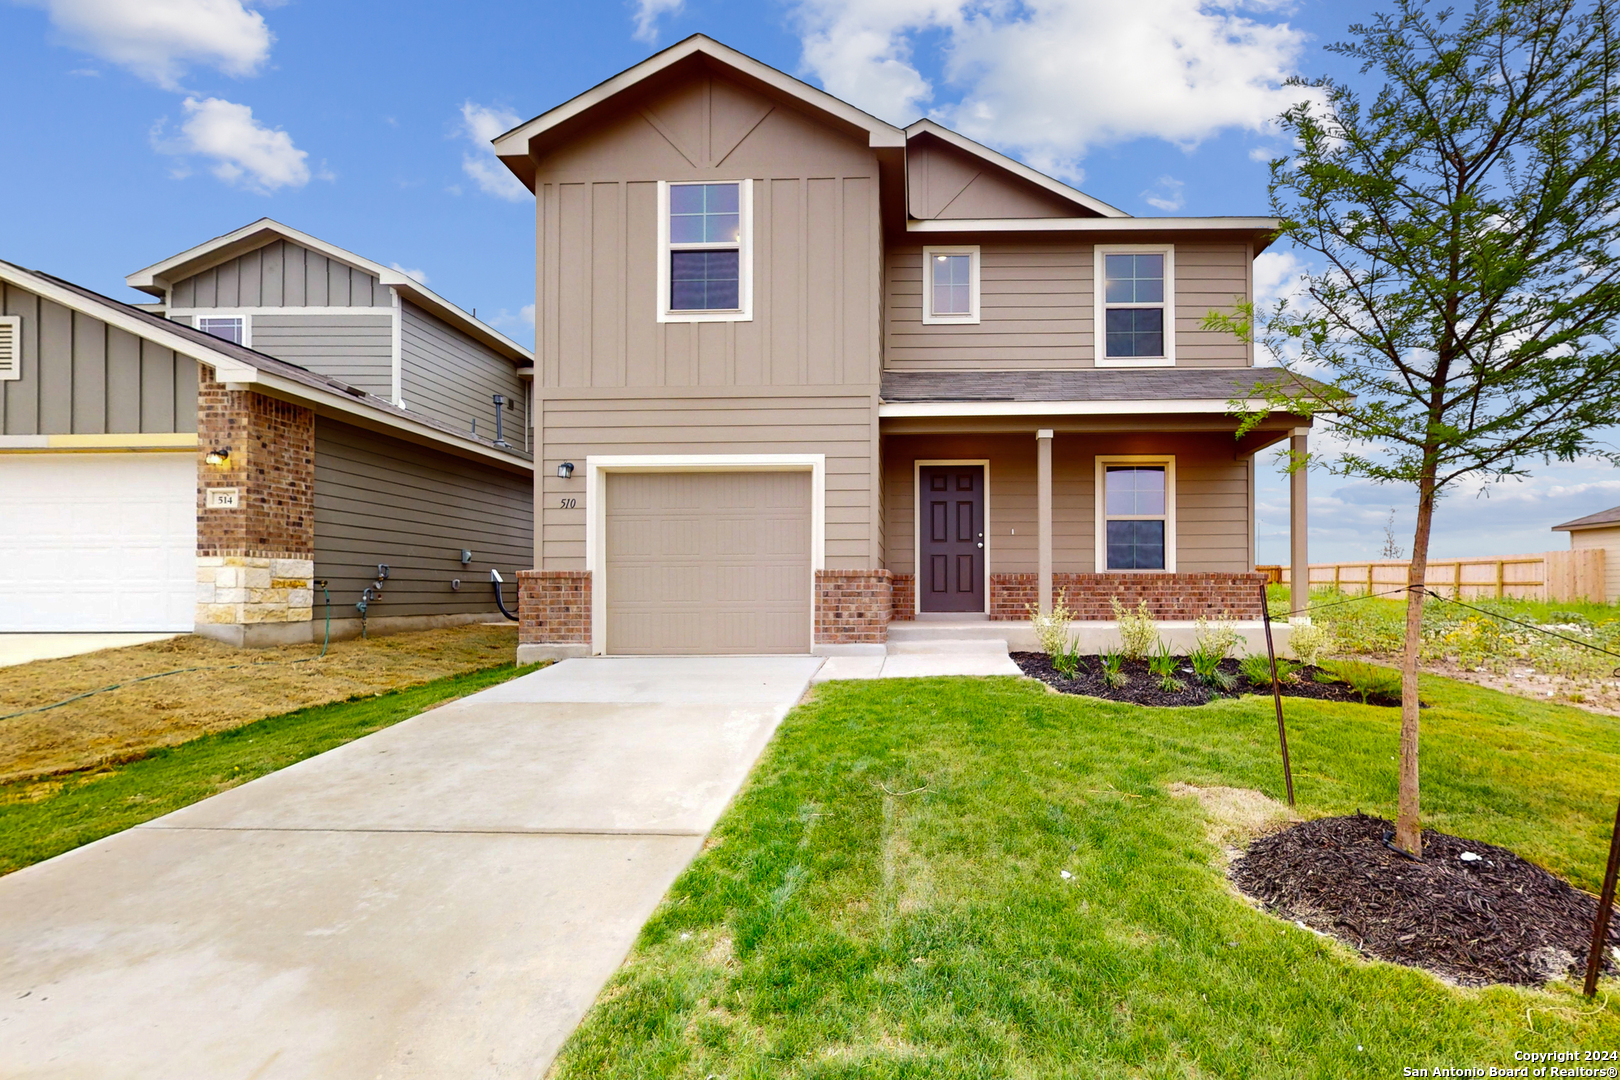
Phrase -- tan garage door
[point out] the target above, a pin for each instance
(708, 562)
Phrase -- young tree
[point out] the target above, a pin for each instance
(1463, 321)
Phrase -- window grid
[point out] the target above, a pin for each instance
(950, 285)
(705, 247)
(227, 328)
(1136, 514)
(1135, 308)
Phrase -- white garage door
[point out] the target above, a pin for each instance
(98, 542)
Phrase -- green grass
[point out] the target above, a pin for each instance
(884, 899)
(39, 820)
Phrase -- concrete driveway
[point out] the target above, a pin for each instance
(444, 898)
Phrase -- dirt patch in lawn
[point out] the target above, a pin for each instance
(1235, 815)
(1470, 912)
(1142, 687)
(234, 687)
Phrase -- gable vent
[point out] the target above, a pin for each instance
(10, 347)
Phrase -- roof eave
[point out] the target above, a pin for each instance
(1087, 224)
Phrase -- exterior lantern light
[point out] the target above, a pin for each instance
(218, 456)
(565, 470)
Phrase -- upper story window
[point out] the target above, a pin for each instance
(1135, 305)
(705, 251)
(950, 285)
(1136, 513)
(232, 328)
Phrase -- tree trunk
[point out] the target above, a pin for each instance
(1408, 829)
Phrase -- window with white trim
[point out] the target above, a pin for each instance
(1135, 305)
(10, 347)
(950, 285)
(1136, 513)
(232, 328)
(705, 257)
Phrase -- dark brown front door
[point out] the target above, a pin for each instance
(951, 563)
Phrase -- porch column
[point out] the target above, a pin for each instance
(1043, 513)
(1299, 569)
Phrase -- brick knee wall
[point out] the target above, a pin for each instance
(853, 607)
(271, 464)
(905, 597)
(554, 607)
(1172, 597)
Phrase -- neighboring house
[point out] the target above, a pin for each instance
(1600, 530)
(801, 373)
(290, 419)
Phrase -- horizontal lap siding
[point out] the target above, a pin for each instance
(355, 348)
(838, 426)
(452, 378)
(380, 500)
(1212, 497)
(280, 274)
(83, 377)
(1609, 540)
(1037, 305)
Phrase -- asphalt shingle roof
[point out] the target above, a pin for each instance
(1091, 384)
(1611, 516)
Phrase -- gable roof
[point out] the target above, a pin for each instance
(243, 368)
(514, 147)
(1610, 516)
(157, 278)
(1017, 168)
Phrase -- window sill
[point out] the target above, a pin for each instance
(950, 320)
(705, 316)
(1136, 361)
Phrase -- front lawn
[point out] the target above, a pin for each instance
(42, 818)
(887, 896)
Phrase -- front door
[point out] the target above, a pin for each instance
(951, 563)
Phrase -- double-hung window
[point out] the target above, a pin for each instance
(950, 285)
(232, 328)
(1136, 513)
(705, 264)
(1135, 305)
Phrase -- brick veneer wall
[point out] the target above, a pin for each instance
(554, 607)
(1175, 597)
(853, 607)
(272, 466)
(905, 597)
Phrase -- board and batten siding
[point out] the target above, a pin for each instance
(382, 500)
(1037, 308)
(356, 348)
(280, 274)
(81, 376)
(830, 423)
(816, 247)
(1213, 499)
(447, 375)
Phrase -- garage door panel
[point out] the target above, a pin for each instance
(97, 542)
(708, 562)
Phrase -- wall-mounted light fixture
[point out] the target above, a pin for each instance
(565, 470)
(218, 456)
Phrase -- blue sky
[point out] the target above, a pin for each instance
(142, 127)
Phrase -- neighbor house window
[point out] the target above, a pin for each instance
(704, 258)
(231, 327)
(1135, 305)
(1136, 513)
(950, 285)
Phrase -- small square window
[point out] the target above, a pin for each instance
(230, 329)
(950, 285)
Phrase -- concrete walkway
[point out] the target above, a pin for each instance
(444, 898)
(25, 648)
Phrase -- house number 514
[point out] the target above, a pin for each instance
(568, 504)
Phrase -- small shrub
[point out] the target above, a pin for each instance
(1367, 680)
(1309, 642)
(1113, 670)
(1218, 635)
(1206, 664)
(1052, 630)
(1138, 630)
(1162, 663)
(1067, 661)
(1257, 669)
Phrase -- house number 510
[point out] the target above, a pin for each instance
(568, 504)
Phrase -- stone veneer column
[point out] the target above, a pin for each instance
(255, 562)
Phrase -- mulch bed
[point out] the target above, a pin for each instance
(1143, 687)
(1495, 919)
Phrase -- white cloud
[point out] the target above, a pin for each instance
(647, 15)
(418, 276)
(1051, 79)
(244, 151)
(1263, 156)
(480, 124)
(1277, 275)
(160, 39)
(1167, 194)
(527, 314)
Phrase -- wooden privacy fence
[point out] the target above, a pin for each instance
(1551, 575)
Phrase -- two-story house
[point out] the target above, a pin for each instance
(288, 423)
(801, 373)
